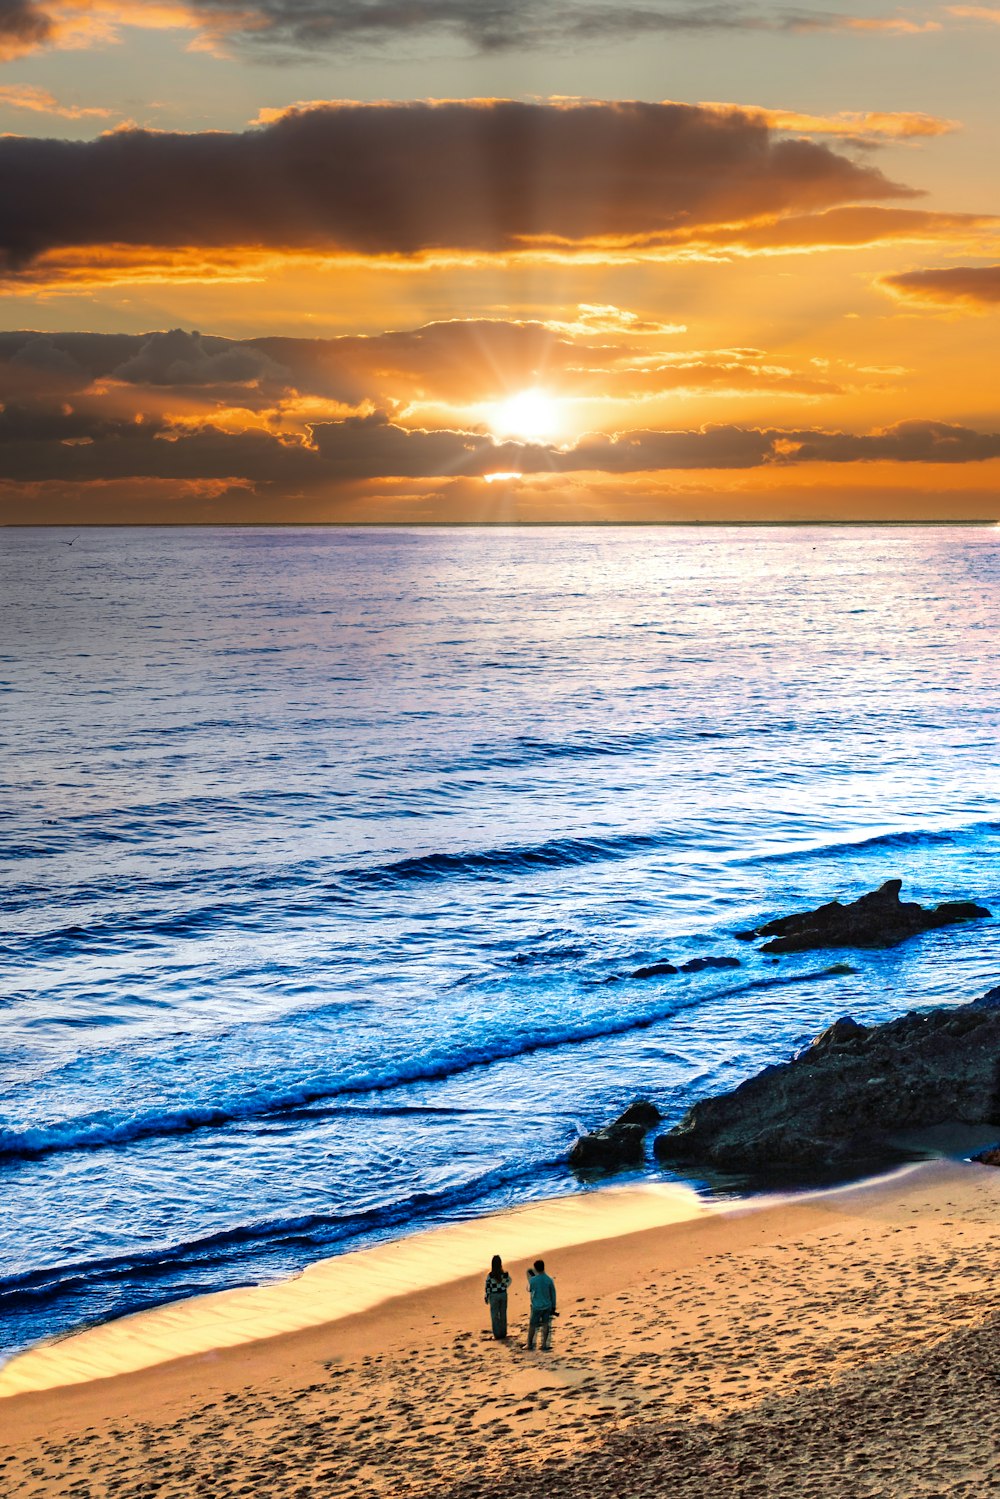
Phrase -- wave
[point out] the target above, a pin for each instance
(101, 1133)
(557, 853)
(904, 838)
(144, 1269)
(529, 749)
(242, 895)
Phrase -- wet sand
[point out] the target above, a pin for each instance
(842, 1344)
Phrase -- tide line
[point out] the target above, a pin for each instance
(344, 1285)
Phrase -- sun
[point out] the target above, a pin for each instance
(529, 416)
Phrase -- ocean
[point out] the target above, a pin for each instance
(327, 854)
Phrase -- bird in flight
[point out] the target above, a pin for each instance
(69, 543)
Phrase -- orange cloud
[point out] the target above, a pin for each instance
(971, 287)
(846, 228)
(895, 25)
(87, 267)
(90, 267)
(40, 101)
(869, 124)
(24, 26)
(70, 25)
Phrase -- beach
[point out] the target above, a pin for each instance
(843, 1342)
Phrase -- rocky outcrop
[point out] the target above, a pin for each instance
(989, 1157)
(878, 919)
(620, 1144)
(838, 1104)
(693, 965)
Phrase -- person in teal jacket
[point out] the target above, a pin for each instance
(542, 1291)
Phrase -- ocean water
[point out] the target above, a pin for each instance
(326, 856)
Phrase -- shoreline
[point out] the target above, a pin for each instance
(340, 1287)
(692, 1340)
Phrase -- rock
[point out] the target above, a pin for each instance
(619, 1144)
(640, 1112)
(990, 1000)
(989, 1157)
(609, 1148)
(878, 919)
(693, 965)
(653, 969)
(838, 1104)
(842, 1030)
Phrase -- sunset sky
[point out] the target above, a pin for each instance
(356, 260)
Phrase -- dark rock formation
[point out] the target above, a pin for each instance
(878, 919)
(989, 1157)
(618, 1144)
(844, 1029)
(640, 1112)
(652, 970)
(838, 1103)
(693, 965)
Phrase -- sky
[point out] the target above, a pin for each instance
(360, 261)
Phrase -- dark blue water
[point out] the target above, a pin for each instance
(326, 856)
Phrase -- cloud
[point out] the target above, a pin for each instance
(460, 367)
(893, 25)
(58, 443)
(845, 228)
(286, 30)
(405, 180)
(89, 267)
(948, 286)
(24, 26)
(178, 358)
(855, 124)
(28, 25)
(40, 101)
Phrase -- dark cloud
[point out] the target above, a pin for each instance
(55, 444)
(286, 29)
(40, 446)
(403, 179)
(33, 365)
(950, 286)
(23, 27)
(177, 358)
(297, 26)
(905, 442)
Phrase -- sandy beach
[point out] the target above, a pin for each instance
(842, 1343)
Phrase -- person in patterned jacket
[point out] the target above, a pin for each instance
(496, 1296)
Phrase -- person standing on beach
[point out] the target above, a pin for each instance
(542, 1290)
(496, 1297)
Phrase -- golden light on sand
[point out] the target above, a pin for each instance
(529, 416)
